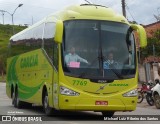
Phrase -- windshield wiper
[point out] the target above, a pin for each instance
(102, 59)
(84, 73)
(114, 70)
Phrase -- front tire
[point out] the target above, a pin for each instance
(48, 110)
(157, 101)
(108, 113)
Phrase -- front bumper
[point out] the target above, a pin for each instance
(88, 104)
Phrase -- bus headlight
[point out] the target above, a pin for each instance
(131, 93)
(68, 92)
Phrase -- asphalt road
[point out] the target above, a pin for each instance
(6, 108)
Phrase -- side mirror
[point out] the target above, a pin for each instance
(142, 34)
(59, 32)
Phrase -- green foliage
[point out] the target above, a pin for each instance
(153, 42)
(6, 31)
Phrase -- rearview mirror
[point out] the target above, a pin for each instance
(142, 34)
(59, 32)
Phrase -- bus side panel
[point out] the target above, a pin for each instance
(31, 71)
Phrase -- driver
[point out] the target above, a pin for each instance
(73, 57)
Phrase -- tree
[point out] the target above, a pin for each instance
(155, 40)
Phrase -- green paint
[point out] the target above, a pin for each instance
(80, 82)
(29, 91)
(29, 61)
(25, 92)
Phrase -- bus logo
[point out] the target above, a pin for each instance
(29, 61)
(101, 87)
(102, 81)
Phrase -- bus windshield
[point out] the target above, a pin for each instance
(98, 50)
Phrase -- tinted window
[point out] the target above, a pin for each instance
(48, 39)
(27, 41)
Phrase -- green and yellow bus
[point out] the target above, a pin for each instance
(38, 72)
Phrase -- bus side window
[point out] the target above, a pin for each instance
(28, 41)
(48, 39)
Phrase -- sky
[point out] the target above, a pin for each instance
(32, 11)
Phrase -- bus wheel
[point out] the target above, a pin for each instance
(13, 98)
(17, 102)
(108, 113)
(48, 110)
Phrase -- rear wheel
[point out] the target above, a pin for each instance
(13, 98)
(157, 101)
(16, 101)
(108, 113)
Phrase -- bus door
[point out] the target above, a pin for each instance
(55, 76)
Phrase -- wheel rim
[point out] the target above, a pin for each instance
(17, 99)
(46, 102)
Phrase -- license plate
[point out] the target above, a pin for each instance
(101, 103)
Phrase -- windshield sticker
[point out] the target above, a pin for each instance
(74, 64)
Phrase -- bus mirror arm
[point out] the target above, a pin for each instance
(142, 34)
(59, 31)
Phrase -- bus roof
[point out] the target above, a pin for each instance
(83, 11)
(91, 11)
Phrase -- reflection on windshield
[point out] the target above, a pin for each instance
(98, 49)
